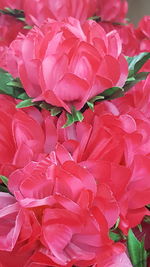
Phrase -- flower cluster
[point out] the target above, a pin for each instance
(74, 140)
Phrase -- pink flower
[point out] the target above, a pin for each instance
(9, 29)
(113, 147)
(16, 224)
(66, 202)
(116, 257)
(62, 55)
(24, 135)
(121, 260)
(37, 11)
(130, 44)
(127, 34)
(136, 104)
(143, 33)
(17, 4)
(112, 11)
(101, 135)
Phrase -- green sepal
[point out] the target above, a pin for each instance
(90, 105)
(73, 117)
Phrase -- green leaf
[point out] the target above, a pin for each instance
(96, 98)
(137, 252)
(114, 236)
(136, 63)
(141, 76)
(4, 179)
(10, 86)
(4, 189)
(55, 111)
(139, 64)
(96, 18)
(73, 117)
(26, 103)
(113, 92)
(23, 96)
(13, 12)
(119, 23)
(45, 105)
(21, 19)
(5, 78)
(15, 83)
(131, 82)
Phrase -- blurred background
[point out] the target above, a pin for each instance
(137, 9)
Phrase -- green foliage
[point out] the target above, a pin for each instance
(26, 103)
(10, 86)
(137, 62)
(19, 14)
(4, 179)
(137, 252)
(55, 111)
(4, 189)
(115, 236)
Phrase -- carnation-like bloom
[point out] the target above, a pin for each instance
(66, 64)
(114, 146)
(74, 212)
